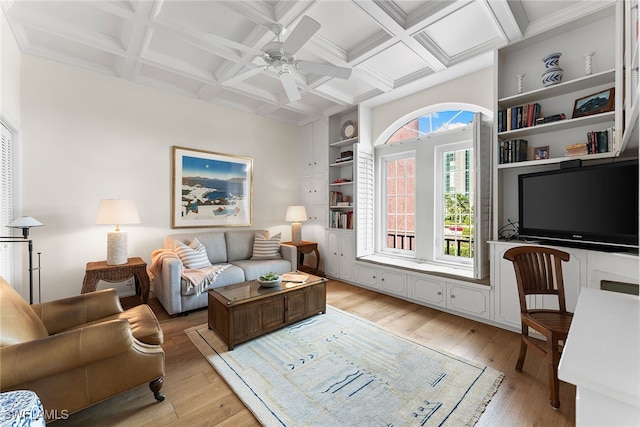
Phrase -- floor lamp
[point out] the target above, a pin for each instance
(25, 223)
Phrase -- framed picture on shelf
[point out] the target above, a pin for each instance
(541, 153)
(211, 189)
(596, 103)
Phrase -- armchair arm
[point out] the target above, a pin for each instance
(63, 314)
(31, 360)
(290, 253)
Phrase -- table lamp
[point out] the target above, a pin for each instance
(116, 212)
(296, 214)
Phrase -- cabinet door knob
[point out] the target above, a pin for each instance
(453, 296)
(382, 280)
(439, 293)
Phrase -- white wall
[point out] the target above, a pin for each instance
(475, 88)
(88, 136)
(9, 73)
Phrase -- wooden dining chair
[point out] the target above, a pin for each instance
(539, 272)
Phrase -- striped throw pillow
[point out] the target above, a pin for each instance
(266, 248)
(193, 256)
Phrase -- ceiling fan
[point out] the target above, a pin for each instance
(280, 55)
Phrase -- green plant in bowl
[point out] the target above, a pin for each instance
(270, 280)
(270, 276)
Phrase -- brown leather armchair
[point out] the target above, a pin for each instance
(78, 351)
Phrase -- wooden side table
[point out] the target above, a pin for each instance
(305, 248)
(100, 270)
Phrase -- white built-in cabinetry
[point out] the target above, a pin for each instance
(573, 40)
(313, 137)
(614, 65)
(340, 254)
(585, 269)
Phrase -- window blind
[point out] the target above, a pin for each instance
(6, 202)
(364, 201)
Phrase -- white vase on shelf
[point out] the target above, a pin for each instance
(588, 63)
(520, 80)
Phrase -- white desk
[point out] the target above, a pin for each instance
(602, 358)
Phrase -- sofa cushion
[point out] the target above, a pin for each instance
(229, 276)
(240, 243)
(264, 248)
(256, 268)
(213, 241)
(19, 322)
(194, 255)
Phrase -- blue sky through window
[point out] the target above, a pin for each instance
(443, 120)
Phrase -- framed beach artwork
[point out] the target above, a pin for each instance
(211, 189)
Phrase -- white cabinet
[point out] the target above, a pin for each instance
(313, 190)
(430, 291)
(463, 298)
(585, 268)
(340, 254)
(313, 139)
(387, 281)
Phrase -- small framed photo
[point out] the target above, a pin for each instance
(596, 103)
(540, 153)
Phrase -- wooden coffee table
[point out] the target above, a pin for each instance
(247, 310)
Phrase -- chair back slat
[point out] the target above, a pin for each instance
(538, 271)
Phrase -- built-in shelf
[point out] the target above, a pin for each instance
(342, 164)
(556, 160)
(344, 143)
(337, 184)
(559, 125)
(575, 85)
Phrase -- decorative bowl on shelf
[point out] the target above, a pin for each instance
(552, 76)
(270, 280)
(552, 60)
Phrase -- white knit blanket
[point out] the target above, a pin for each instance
(200, 279)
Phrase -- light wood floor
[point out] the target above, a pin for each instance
(197, 396)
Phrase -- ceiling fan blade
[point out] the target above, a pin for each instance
(324, 69)
(306, 28)
(289, 84)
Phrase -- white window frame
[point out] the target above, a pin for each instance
(440, 151)
(383, 160)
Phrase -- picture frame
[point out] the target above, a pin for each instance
(541, 153)
(596, 103)
(211, 189)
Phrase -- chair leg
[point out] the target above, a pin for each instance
(523, 349)
(553, 358)
(155, 387)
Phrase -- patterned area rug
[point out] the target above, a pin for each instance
(337, 369)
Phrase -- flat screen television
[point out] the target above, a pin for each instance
(590, 206)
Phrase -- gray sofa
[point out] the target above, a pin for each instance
(233, 247)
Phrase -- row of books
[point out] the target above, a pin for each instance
(335, 197)
(513, 150)
(518, 117)
(340, 219)
(598, 141)
(601, 141)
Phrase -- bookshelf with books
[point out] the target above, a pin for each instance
(537, 127)
(342, 150)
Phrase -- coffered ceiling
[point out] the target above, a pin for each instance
(210, 50)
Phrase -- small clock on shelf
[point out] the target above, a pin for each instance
(349, 129)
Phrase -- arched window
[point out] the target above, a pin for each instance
(426, 173)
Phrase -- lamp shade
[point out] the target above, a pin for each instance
(25, 222)
(117, 211)
(296, 214)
